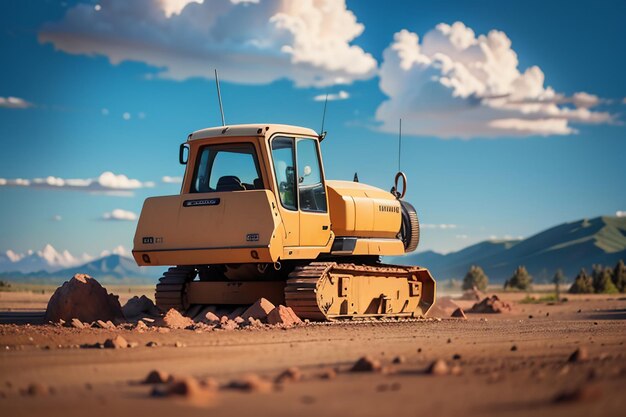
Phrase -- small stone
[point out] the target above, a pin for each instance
(152, 344)
(77, 324)
(133, 344)
(514, 348)
(179, 344)
(579, 355)
(449, 341)
(366, 364)
(283, 315)
(229, 325)
(328, 374)
(118, 342)
(585, 393)
(210, 318)
(259, 310)
(141, 326)
(399, 359)
(157, 377)
(459, 313)
(251, 383)
(292, 374)
(37, 389)
(174, 320)
(238, 320)
(187, 388)
(456, 357)
(530, 316)
(438, 367)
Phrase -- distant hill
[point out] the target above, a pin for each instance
(569, 246)
(112, 269)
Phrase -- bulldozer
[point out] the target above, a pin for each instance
(256, 217)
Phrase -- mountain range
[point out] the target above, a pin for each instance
(568, 246)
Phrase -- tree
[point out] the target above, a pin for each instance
(520, 280)
(619, 276)
(475, 277)
(558, 279)
(583, 284)
(603, 282)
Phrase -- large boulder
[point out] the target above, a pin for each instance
(83, 298)
(283, 315)
(490, 305)
(444, 307)
(259, 310)
(138, 306)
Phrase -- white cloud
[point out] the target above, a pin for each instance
(107, 182)
(172, 180)
(126, 116)
(437, 226)
(461, 236)
(119, 250)
(455, 84)
(56, 218)
(14, 103)
(105, 112)
(620, 213)
(341, 95)
(306, 41)
(119, 214)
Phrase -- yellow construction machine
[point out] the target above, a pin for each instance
(257, 218)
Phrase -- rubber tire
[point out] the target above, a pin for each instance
(410, 229)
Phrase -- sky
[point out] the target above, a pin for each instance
(512, 112)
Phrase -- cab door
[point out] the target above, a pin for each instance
(312, 200)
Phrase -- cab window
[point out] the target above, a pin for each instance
(284, 170)
(228, 167)
(311, 190)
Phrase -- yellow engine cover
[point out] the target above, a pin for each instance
(361, 210)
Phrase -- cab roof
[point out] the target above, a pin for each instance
(257, 129)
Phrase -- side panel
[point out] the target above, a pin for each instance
(198, 226)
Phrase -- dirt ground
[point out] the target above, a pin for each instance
(507, 364)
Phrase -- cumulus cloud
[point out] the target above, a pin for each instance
(454, 84)
(118, 250)
(172, 180)
(107, 182)
(251, 42)
(341, 95)
(121, 215)
(14, 103)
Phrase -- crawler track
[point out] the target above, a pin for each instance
(329, 291)
(170, 291)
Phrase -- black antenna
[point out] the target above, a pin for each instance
(322, 133)
(219, 97)
(399, 144)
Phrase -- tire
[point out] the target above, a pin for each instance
(410, 229)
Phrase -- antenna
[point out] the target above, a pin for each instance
(324, 116)
(219, 97)
(399, 144)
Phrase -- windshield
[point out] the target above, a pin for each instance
(228, 167)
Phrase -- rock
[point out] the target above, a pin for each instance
(210, 318)
(585, 393)
(229, 325)
(456, 356)
(292, 374)
(254, 322)
(398, 360)
(118, 342)
(514, 348)
(137, 306)
(179, 344)
(238, 320)
(259, 310)
(188, 388)
(152, 344)
(367, 364)
(579, 355)
(37, 389)
(77, 324)
(456, 370)
(283, 315)
(157, 377)
(251, 382)
(459, 313)
(141, 326)
(444, 307)
(438, 368)
(83, 298)
(105, 324)
(491, 304)
(200, 317)
(174, 320)
(328, 374)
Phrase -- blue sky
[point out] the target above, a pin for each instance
(508, 155)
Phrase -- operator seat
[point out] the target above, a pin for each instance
(229, 183)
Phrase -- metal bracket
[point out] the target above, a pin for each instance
(344, 286)
(385, 304)
(415, 288)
